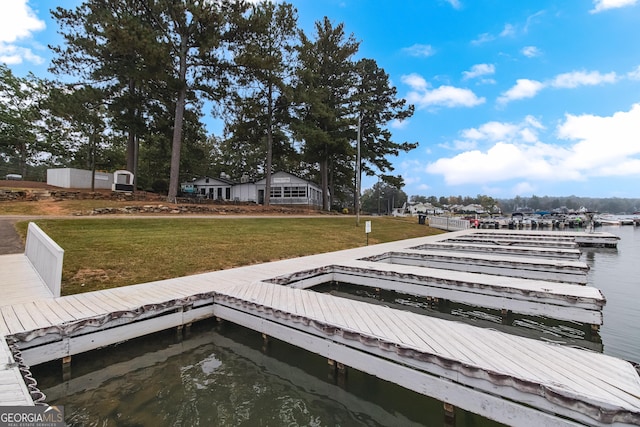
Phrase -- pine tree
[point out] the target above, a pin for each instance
(265, 57)
(324, 113)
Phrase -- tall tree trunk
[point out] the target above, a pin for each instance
(176, 145)
(131, 140)
(92, 148)
(324, 172)
(22, 160)
(332, 189)
(267, 189)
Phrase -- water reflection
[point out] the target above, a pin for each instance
(575, 334)
(220, 376)
(615, 272)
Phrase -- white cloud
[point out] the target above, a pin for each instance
(423, 50)
(582, 78)
(479, 70)
(455, 4)
(399, 124)
(443, 96)
(602, 5)
(523, 188)
(17, 23)
(11, 55)
(524, 88)
(483, 38)
(587, 146)
(603, 142)
(416, 81)
(634, 74)
(508, 31)
(531, 51)
(464, 145)
(532, 19)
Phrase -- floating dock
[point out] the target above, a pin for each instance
(554, 270)
(510, 379)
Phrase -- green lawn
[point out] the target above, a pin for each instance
(106, 253)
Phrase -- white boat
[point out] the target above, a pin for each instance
(607, 219)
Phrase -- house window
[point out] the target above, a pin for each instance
(295, 191)
(276, 192)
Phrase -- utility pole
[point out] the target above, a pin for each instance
(358, 177)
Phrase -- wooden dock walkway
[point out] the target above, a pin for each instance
(510, 379)
(554, 270)
(20, 281)
(472, 247)
(562, 301)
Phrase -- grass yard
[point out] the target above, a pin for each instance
(105, 253)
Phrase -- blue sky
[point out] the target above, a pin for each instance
(512, 97)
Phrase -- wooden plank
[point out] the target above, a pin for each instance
(408, 336)
(27, 322)
(11, 319)
(91, 309)
(117, 301)
(70, 308)
(309, 304)
(52, 317)
(356, 322)
(101, 300)
(37, 316)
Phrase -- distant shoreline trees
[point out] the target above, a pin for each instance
(537, 203)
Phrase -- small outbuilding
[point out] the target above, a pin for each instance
(122, 181)
(78, 178)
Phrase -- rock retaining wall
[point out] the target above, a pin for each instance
(196, 209)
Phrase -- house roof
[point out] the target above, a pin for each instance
(212, 181)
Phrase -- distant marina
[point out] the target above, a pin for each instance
(550, 221)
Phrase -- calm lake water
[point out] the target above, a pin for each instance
(222, 375)
(616, 272)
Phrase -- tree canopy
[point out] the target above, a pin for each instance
(134, 78)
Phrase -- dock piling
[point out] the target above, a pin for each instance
(449, 414)
(66, 368)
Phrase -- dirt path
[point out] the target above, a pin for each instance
(10, 242)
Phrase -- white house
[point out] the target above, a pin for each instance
(209, 188)
(423, 208)
(286, 189)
